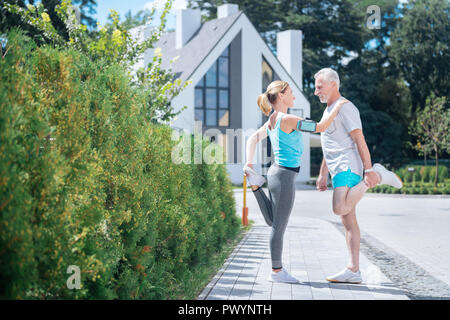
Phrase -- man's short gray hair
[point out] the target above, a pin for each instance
(329, 75)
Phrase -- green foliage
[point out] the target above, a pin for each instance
(86, 179)
(419, 181)
(9, 20)
(420, 48)
(113, 45)
(138, 19)
(431, 128)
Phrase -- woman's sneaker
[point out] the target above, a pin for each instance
(282, 276)
(253, 178)
(346, 276)
(388, 177)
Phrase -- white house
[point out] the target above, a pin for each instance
(229, 65)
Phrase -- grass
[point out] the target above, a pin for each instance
(203, 273)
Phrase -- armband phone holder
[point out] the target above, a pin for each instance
(307, 125)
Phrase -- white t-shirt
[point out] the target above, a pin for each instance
(339, 149)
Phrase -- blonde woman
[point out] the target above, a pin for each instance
(285, 132)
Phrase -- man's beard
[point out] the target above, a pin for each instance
(323, 98)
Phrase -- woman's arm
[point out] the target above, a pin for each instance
(292, 122)
(260, 134)
(325, 122)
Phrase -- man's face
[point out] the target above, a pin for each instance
(323, 89)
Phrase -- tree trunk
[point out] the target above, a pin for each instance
(437, 167)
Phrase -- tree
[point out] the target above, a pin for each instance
(112, 44)
(432, 128)
(420, 49)
(136, 20)
(87, 11)
(9, 20)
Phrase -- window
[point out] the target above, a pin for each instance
(212, 94)
(268, 75)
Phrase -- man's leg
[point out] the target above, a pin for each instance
(351, 273)
(352, 237)
(345, 199)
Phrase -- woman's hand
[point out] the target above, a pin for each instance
(341, 103)
(248, 164)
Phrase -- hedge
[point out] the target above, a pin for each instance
(420, 181)
(425, 174)
(85, 180)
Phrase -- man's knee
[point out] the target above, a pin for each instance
(340, 210)
(339, 203)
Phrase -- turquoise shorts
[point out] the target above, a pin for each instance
(346, 178)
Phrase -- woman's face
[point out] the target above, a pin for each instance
(287, 97)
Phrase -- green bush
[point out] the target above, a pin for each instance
(87, 180)
(426, 177)
(419, 182)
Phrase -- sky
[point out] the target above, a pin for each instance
(122, 7)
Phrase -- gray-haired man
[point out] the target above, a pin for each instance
(347, 159)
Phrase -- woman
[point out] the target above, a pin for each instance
(285, 135)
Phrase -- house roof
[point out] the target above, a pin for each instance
(192, 54)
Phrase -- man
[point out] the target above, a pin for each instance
(347, 159)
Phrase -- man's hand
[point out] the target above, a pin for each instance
(321, 183)
(371, 179)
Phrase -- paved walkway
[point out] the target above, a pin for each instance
(313, 249)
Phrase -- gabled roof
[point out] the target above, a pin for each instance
(196, 49)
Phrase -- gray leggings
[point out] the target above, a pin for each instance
(277, 208)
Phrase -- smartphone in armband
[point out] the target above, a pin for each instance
(306, 125)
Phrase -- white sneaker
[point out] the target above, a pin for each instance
(253, 178)
(347, 276)
(388, 177)
(282, 276)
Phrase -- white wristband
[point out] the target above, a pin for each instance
(369, 170)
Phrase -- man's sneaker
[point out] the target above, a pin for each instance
(347, 276)
(253, 178)
(388, 177)
(282, 276)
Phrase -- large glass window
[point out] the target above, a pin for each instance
(268, 75)
(212, 94)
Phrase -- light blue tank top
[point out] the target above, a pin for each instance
(287, 147)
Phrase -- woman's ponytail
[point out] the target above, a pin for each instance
(266, 100)
(264, 104)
